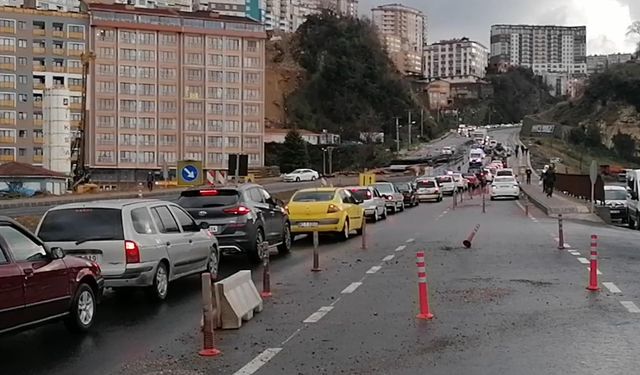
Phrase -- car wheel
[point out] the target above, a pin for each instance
(344, 234)
(492, 198)
(254, 254)
(384, 213)
(630, 222)
(313, 178)
(213, 263)
(83, 309)
(402, 207)
(160, 287)
(297, 179)
(285, 246)
(376, 217)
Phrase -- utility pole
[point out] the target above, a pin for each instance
(409, 128)
(398, 134)
(330, 150)
(422, 123)
(324, 163)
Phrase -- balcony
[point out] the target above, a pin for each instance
(8, 67)
(4, 157)
(75, 52)
(39, 68)
(76, 106)
(7, 84)
(58, 69)
(75, 35)
(58, 51)
(37, 158)
(39, 32)
(75, 124)
(11, 140)
(37, 103)
(58, 33)
(8, 121)
(38, 85)
(75, 88)
(7, 30)
(7, 103)
(39, 50)
(74, 69)
(38, 140)
(37, 122)
(7, 48)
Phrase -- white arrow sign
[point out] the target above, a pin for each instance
(189, 173)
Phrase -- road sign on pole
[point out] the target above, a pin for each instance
(189, 172)
(593, 175)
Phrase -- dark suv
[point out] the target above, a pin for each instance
(241, 217)
(409, 194)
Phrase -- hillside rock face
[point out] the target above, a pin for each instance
(283, 76)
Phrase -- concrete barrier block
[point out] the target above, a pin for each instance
(238, 299)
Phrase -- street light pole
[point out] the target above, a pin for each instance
(422, 123)
(324, 163)
(330, 150)
(398, 134)
(409, 123)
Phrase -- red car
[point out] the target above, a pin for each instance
(38, 284)
(472, 179)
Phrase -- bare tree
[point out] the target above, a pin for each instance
(634, 30)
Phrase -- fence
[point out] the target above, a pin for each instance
(579, 186)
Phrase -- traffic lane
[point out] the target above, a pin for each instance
(130, 327)
(510, 304)
(297, 294)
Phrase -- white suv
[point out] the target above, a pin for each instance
(136, 242)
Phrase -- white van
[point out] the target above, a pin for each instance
(476, 157)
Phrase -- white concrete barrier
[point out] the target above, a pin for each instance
(236, 298)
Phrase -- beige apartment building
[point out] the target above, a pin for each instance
(38, 50)
(402, 33)
(170, 85)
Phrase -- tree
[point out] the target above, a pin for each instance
(634, 30)
(577, 135)
(624, 145)
(593, 137)
(294, 154)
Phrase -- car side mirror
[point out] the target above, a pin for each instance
(57, 253)
(634, 195)
(204, 225)
(358, 200)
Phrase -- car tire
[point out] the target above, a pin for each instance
(360, 230)
(287, 240)
(297, 179)
(384, 213)
(402, 207)
(376, 217)
(492, 198)
(213, 263)
(83, 310)
(254, 256)
(344, 234)
(160, 288)
(630, 222)
(313, 178)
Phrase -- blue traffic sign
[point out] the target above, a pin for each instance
(189, 173)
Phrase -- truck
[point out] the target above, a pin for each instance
(476, 157)
(479, 136)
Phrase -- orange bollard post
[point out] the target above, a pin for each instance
(593, 265)
(467, 242)
(208, 346)
(266, 273)
(423, 288)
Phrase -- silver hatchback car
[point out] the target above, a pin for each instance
(136, 242)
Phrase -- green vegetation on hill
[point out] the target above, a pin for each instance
(350, 85)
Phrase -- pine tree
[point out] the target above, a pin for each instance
(294, 154)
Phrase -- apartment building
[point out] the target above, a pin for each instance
(600, 63)
(254, 9)
(347, 8)
(38, 50)
(174, 85)
(288, 15)
(456, 60)
(402, 32)
(57, 5)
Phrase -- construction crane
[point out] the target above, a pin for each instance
(80, 173)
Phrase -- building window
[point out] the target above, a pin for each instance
(22, 43)
(233, 77)
(252, 46)
(22, 61)
(106, 52)
(251, 94)
(215, 157)
(168, 73)
(127, 88)
(194, 75)
(254, 158)
(147, 123)
(146, 72)
(215, 108)
(214, 43)
(168, 39)
(127, 54)
(168, 140)
(233, 93)
(106, 35)
(252, 127)
(215, 59)
(106, 122)
(215, 142)
(146, 140)
(146, 38)
(253, 78)
(193, 92)
(72, 46)
(22, 115)
(168, 106)
(146, 89)
(193, 41)
(128, 105)
(168, 56)
(215, 76)
(127, 139)
(105, 156)
(252, 62)
(168, 124)
(194, 125)
(168, 157)
(168, 90)
(147, 106)
(7, 43)
(194, 107)
(76, 29)
(214, 126)
(233, 61)
(194, 58)
(233, 44)
(232, 126)
(128, 156)
(193, 141)
(251, 142)
(232, 142)
(106, 86)
(214, 92)
(146, 55)
(193, 155)
(22, 25)
(128, 37)
(106, 139)
(233, 109)
(147, 157)
(106, 104)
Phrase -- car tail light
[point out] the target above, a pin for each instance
(131, 251)
(368, 194)
(240, 210)
(437, 190)
(333, 209)
(389, 197)
(286, 209)
(208, 193)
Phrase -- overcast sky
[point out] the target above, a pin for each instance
(606, 20)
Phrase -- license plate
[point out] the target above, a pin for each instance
(615, 211)
(214, 229)
(503, 186)
(92, 257)
(308, 224)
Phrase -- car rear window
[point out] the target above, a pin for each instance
(505, 173)
(363, 194)
(426, 184)
(82, 224)
(313, 196)
(444, 179)
(504, 180)
(208, 198)
(403, 187)
(384, 188)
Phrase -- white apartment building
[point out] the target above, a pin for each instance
(456, 60)
(600, 63)
(59, 5)
(288, 15)
(348, 8)
(402, 31)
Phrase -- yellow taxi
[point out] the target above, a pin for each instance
(325, 210)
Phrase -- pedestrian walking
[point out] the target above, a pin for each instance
(517, 148)
(150, 181)
(528, 176)
(543, 178)
(551, 180)
(522, 149)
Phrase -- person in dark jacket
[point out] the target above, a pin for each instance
(529, 176)
(551, 180)
(150, 181)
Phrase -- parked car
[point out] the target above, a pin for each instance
(241, 217)
(393, 196)
(615, 198)
(409, 193)
(40, 284)
(372, 202)
(505, 186)
(428, 189)
(447, 184)
(326, 210)
(137, 242)
(301, 175)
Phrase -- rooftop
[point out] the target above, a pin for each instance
(17, 169)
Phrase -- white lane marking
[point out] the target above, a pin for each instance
(410, 240)
(567, 246)
(400, 248)
(574, 253)
(583, 260)
(290, 337)
(612, 287)
(351, 288)
(373, 269)
(259, 361)
(630, 306)
(597, 271)
(316, 316)
(336, 301)
(519, 205)
(388, 258)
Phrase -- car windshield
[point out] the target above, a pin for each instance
(208, 198)
(362, 194)
(443, 179)
(384, 188)
(476, 155)
(403, 187)
(504, 180)
(505, 173)
(615, 195)
(313, 196)
(426, 184)
(82, 224)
